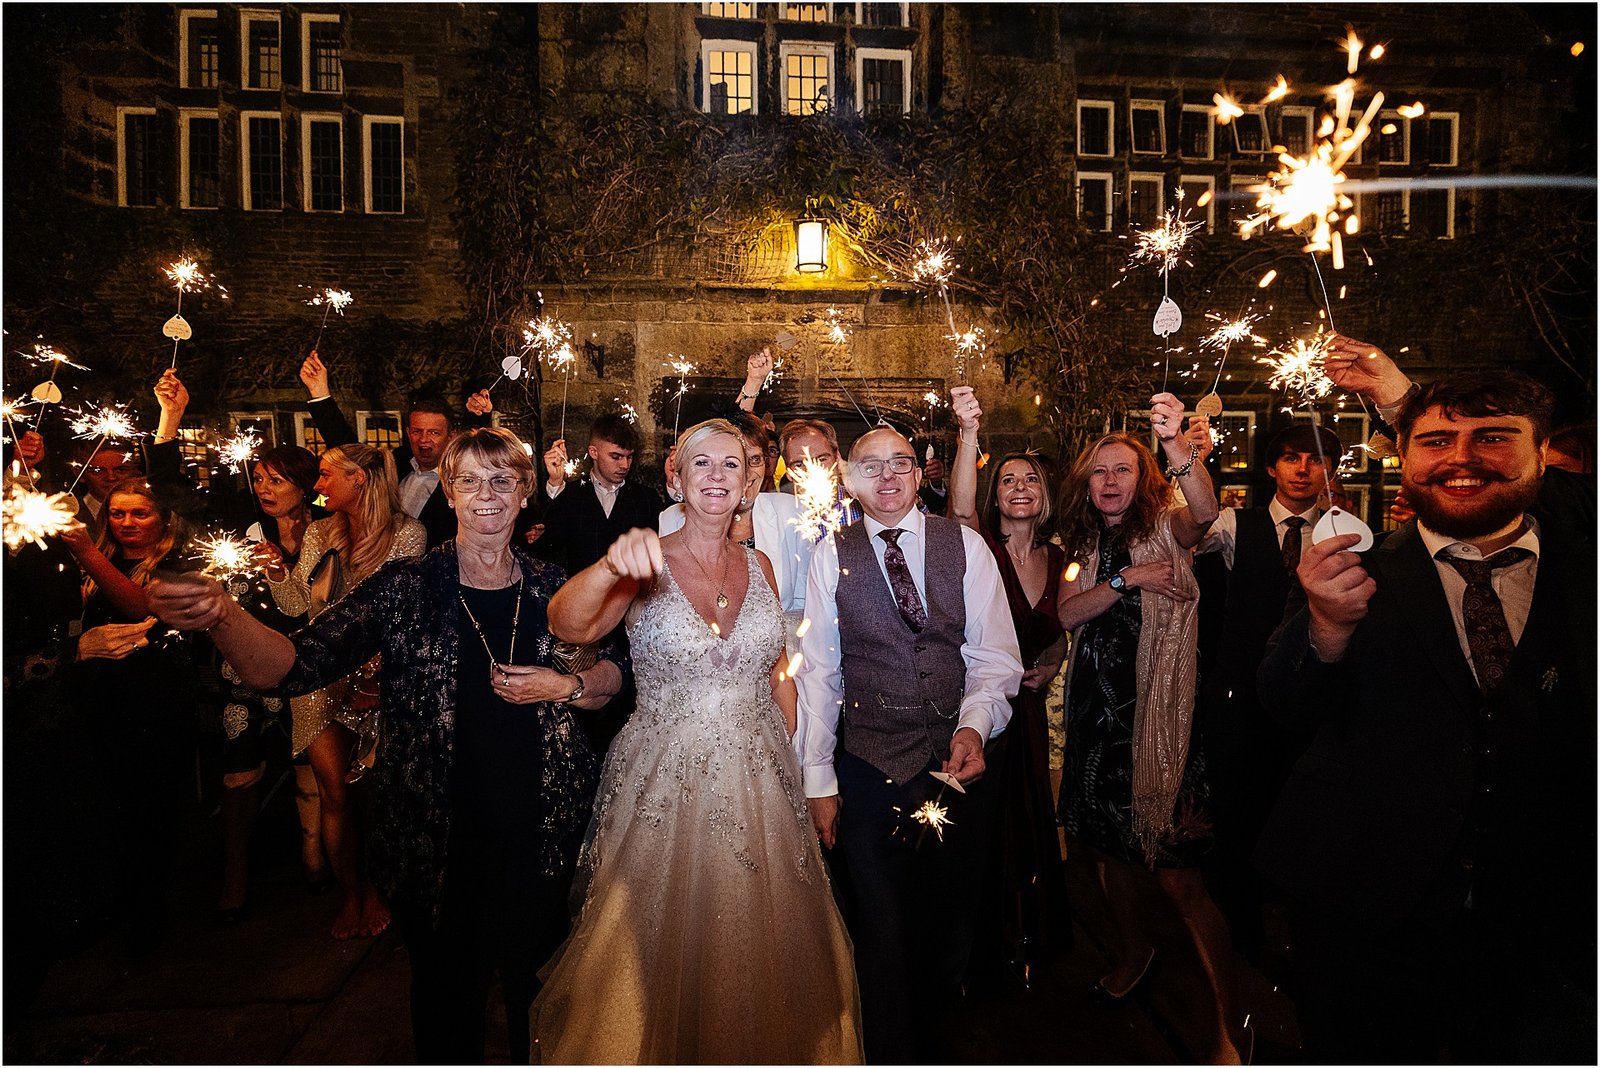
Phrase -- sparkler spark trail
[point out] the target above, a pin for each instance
(44, 353)
(684, 369)
(226, 557)
(104, 421)
(1297, 368)
(816, 490)
(329, 300)
(934, 264)
(1229, 331)
(1163, 245)
(30, 516)
(239, 449)
(934, 815)
(970, 344)
(546, 336)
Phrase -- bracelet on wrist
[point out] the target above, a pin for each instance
(1179, 472)
(962, 439)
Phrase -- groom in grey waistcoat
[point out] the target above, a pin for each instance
(909, 658)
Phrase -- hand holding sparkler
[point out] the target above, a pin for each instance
(757, 368)
(1199, 435)
(314, 374)
(1166, 416)
(1364, 369)
(479, 403)
(966, 756)
(555, 462)
(189, 601)
(31, 516)
(173, 397)
(1338, 590)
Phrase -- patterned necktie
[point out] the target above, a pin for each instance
(1291, 563)
(900, 581)
(1488, 635)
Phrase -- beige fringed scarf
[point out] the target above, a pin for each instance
(1165, 669)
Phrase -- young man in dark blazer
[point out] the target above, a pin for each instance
(1437, 837)
(585, 517)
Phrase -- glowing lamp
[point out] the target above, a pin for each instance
(810, 245)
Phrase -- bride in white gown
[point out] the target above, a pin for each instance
(708, 931)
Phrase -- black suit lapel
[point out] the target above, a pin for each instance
(1412, 579)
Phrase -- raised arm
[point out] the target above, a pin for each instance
(127, 596)
(593, 601)
(1361, 367)
(755, 376)
(964, 472)
(1186, 455)
(260, 655)
(331, 423)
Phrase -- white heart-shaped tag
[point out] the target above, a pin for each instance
(177, 328)
(1169, 318)
(512, 366)
(47, 393)
(1337, 521)
(1209, 406)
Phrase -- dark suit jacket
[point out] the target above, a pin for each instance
(577, 530)
(1416, 788)
(437, 516)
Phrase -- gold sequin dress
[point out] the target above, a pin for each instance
(708, 931)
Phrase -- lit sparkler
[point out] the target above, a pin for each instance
(1163, 245)
(816, 490)
(329, 300)
(31, 516)
(1227, 333)
(934, 264)
(226, 557)
(775, 375)
(934, 815)
(47, 392)
(547, 337)
(970, 344)
(239, 449)
(628, 411)
(187, 277)
(684, 369)
(1297, 368)
(104, 421)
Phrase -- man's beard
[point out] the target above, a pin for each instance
(1497, 507)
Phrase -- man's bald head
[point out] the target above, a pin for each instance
(883, 493)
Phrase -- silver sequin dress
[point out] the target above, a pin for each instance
(708, 931)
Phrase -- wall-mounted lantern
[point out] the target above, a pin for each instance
(810, 245)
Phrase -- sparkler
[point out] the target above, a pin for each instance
(187, 277)
(563, 357)
(684, 368)
(933, 815)
(47, 392)
(239, 449)
(970, 344)
(104, 421)
(1298, 368)
(549, 339)
(935, 265)
(816, 490)
(1227, 333)
(1163, 246)
(329, 300)
(226, 557)
(836, 334)
(627, 411)
(11, 410)
(31, 516)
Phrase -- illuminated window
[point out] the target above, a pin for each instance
(199, 50)
(1094, 200)
(261, 49)
(1196, 132)
(1236, 440)
(381, 430)
(730, 11)
(807, 78)
(1147, 125)
(195, 448)
(320, 42)
(261, 146)
(322, 162)
(138, 159)
(1096, 127)
(883, 81)
(728, 81)
(808, 12)
(200, 156)
(307, 436)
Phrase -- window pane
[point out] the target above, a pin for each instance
(383, 431)
(1195, 134)
(387, 168)
(1144, 204)
(1250, 132)
(266, 164)
(1297, 134)
(327, 166)
(205, 162)
(205, 55)
(1233, 446)
(193, 447)
(881, 15)
(731, 11)
(1094, 131)
(1392, 146)
(140, 181)
(883, 87)
(1147, 130)
(731, 81)
(1093, 208)
(1430, 210)
(1442, 142)
(266, 55)
(1388, 213)
(805, 89)
(806, 12)
(1193, 210)
(326, 75)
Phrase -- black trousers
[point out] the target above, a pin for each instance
(481, 932)
(909, 899)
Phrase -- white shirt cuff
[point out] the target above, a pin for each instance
(819, 780)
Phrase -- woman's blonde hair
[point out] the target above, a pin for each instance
(1080, 522)
(378, 509)
(174, 532)
(698, 433)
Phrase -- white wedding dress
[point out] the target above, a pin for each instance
(708, 931)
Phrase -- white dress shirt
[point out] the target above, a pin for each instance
(990, 652)
(606, 495)
(1223, 535)
(416, 488)
(1512, 584)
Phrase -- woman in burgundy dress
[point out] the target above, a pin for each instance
(1015, 522)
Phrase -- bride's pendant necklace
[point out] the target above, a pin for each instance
(516, 617)
(722, 597)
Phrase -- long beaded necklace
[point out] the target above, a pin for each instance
(516, 617)
(722, 598)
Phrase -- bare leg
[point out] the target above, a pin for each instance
(240, 799)
(308, 803)
(1120, 884)
(341, 838)
(1209, 931)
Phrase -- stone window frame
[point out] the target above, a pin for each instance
(1211, 131)
(1291, 113)
(1209, 181)
(367, 123)
(1110, 109)
(247, 17)
(864, 54)
(1256, 116)
(1160, 108)
(1103, 178)
(1454, 119)
(1147, 178)
(185, 115)
(307, 119)
(123, 114)
(246, 201)
(787, 49)
(722, 44)
(186, 16)
(307, 75)
(1402, 131)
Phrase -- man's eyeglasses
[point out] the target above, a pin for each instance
(124, 470)
(499, 483)
(900, 465)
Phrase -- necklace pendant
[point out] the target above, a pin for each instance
(722, 600)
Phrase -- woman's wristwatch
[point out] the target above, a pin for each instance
(1119, 584)
(577, 690)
